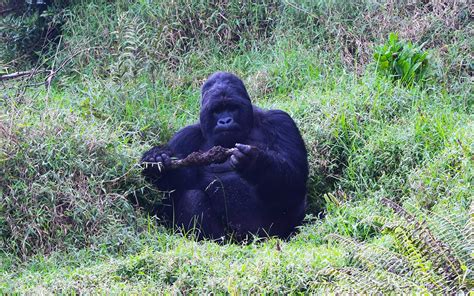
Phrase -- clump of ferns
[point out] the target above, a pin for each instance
(130, 37)
(430, 254)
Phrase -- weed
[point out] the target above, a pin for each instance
(402, 61)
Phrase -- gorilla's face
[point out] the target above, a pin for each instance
(226, 113)
(227, 121)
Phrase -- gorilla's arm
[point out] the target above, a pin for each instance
(282, 169)
(184, 142)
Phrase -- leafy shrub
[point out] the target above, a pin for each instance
(28, 33)
(402, 61)
(61, 183)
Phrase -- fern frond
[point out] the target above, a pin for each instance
(468, 247)
(434, 258)
(362, 281)
(432, 253)
(130, 35)
(392, 271)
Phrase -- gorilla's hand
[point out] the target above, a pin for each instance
(159, 156)
(244, 156)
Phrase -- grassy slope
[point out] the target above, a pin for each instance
(71, 152)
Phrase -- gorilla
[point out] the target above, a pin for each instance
(259, 190)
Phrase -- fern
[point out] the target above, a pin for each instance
(430, 254)
(468, 247)
(375, 270)
(426, 251)
(130, 36)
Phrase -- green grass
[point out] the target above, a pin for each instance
(75, 214)
(168, 262)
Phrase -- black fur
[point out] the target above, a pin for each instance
(258, 191)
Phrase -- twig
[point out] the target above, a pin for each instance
(216, 154)
(20, 74)
(52, 71)
(65, 62)
(5, 11)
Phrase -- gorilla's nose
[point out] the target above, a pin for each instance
(226, 121)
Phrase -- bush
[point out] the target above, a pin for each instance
(64, 183)
(402, 61)
(28, 33)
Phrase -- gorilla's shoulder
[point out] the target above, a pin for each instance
(274, 117)
(187, 140)
(190, 130)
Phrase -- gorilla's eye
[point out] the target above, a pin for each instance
(216, 112)
(220, 109)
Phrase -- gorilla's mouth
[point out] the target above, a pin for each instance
(228, 129)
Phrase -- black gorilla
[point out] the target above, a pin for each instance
(259, 190)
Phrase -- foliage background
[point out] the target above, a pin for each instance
(390, 203)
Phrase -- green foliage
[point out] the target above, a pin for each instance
(62, 189)
(77, 217)
(402, 61)
(29, 35)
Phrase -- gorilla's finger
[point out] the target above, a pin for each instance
(233, 161)
(149, 158)
(242, 147)
(239, 155)
(247, 149)
(166, 159)
(157, 158)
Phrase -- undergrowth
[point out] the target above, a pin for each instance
(390, 205)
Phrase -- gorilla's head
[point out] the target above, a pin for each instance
(226, 111)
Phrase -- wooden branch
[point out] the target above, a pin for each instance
(216, 154)
(19, 74)
(5, 11)
(52, 72)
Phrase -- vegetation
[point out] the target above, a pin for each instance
(381, 90)
(402, 61)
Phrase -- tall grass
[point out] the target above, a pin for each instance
(75, 214)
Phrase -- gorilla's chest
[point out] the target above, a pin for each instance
(219, 168)
(221, 173)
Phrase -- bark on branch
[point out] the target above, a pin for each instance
(216, 154)
(5, 11)
(52, 72)
(19, 74)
